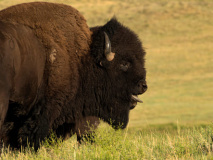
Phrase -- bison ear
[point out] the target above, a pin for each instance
(107, 52)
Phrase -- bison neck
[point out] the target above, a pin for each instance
(93, 84)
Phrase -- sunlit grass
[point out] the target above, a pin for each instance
(150, 143)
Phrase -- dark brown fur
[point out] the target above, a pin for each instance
(61, 29)
(67, 86)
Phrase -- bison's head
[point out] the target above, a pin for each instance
(120, 57)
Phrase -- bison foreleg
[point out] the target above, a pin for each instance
(4, 101)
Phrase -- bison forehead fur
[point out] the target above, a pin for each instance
(56, 73)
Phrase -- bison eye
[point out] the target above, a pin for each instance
(125, 66)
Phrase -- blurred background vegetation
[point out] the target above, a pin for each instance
(178, 38)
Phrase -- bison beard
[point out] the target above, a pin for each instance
(56, 73)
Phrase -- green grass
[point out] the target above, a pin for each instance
(178, 38)
(154, 143)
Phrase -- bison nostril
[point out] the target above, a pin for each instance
(144, 87)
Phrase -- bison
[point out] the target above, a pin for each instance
(56, 73)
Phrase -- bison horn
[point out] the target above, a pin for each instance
(108, 54)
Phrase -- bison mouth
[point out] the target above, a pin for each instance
(134, 101)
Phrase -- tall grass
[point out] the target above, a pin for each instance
(183, 143)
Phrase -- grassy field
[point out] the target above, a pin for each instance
(184, 143)
(175, 120)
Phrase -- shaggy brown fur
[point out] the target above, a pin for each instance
(66, 37)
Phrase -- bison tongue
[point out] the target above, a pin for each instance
(136, 99)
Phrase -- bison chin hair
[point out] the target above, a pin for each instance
(119, 115)
(119, 125)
